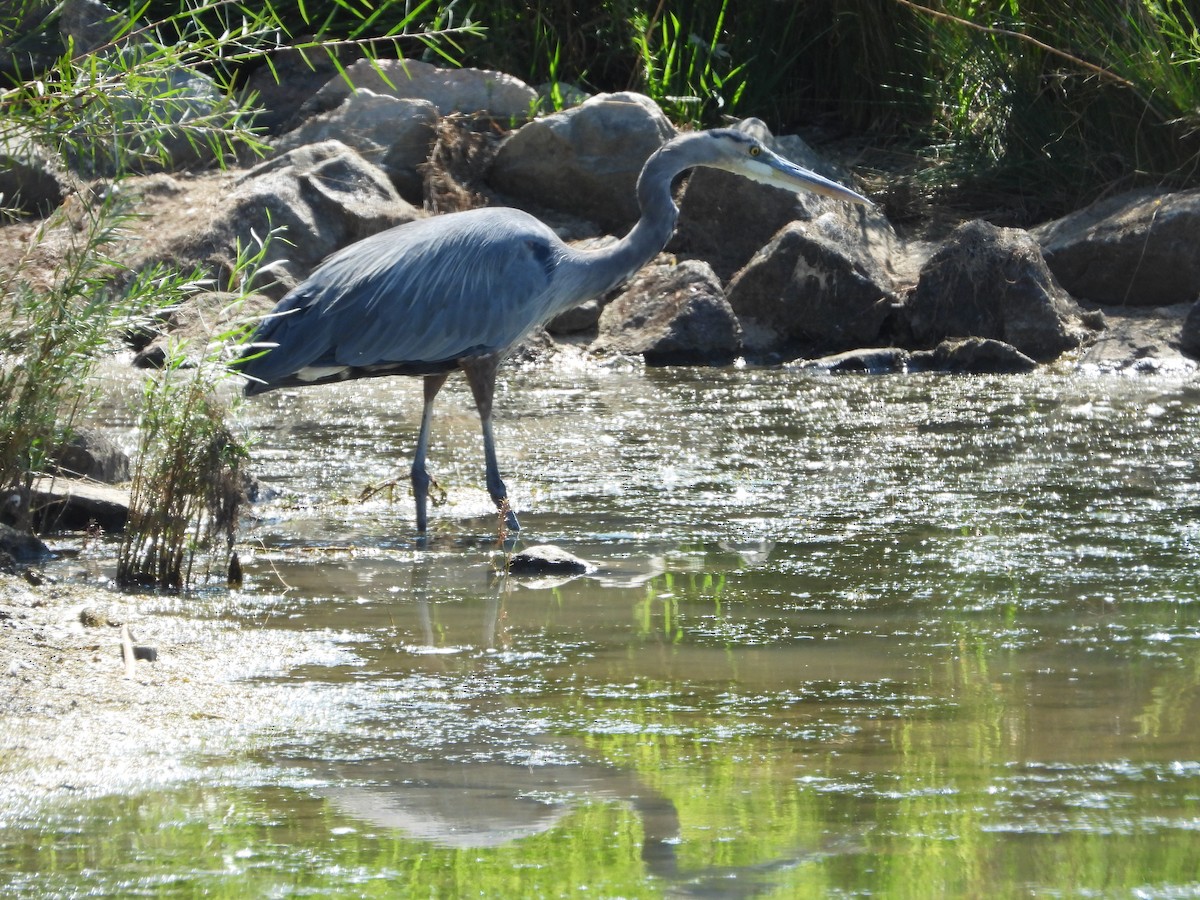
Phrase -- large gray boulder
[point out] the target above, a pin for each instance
(324, 196)
(280, 90)
(1137, 249)
(159, 120)
(392, 133)
(672, 315)
(813, 289)
(89, 24)
(725, 219)
(450, 90)
(584, 161)
(991, 282)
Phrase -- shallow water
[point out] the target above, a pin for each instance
(894, 635)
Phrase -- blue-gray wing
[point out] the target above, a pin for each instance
(422, 294)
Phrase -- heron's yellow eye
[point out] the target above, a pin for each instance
(754, 151)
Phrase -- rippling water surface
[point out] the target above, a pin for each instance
(900, 635)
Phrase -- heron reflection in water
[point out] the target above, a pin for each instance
(459, 291)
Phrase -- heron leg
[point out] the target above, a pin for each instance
(421, 479)
(481, 376)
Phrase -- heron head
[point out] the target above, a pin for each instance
(742, 154)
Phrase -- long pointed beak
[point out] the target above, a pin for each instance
(772, 169)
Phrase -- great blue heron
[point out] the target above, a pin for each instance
(459, 291)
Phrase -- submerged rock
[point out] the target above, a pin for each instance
(972, 356)
(546, 559)
(20, 546)
(871, 361)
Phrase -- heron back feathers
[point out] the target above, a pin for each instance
(412, 299)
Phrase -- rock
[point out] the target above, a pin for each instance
(725, 219)
(280, 90)
(32, 178)
(972, 356)
(392, 133)
(975, 356)
(21, 546)
(152, 356)
(812, 288)
(450, 90)
(672, 315)
(90, 617)
(90, 24)
(91, 454)
(1137, 249)
(586, 160)
(546, 559)
(325, 196)
(555, 96)
(67, 504)
(163, 121)
(1141, 338)
(144, 653)
(874, 361)
(1189, 335)
(158, 123)
(577, 320)
(992, 282)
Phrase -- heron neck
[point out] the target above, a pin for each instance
(605, 269)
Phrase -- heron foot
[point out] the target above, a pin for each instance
(422, 483)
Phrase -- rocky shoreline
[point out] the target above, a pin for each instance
(753, 272)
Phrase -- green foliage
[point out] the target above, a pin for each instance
(187, 483)
(1014, 108)
(691, 78)
(1024, 102)
(52, 336)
